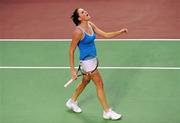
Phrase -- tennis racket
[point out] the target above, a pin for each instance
(87, 66)
(78, 72)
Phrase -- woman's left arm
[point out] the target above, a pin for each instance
(108, 34)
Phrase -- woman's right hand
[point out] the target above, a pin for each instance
(73, 74)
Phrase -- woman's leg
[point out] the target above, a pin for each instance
(80, 87)
(71, 103)
(96, 77)
(108, 113)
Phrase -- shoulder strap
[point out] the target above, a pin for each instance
(79, 27)
(92, 30)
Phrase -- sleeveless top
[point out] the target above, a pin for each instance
(86, 45)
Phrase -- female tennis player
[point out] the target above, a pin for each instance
(83, 37)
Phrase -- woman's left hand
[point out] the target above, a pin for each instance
(124, 30)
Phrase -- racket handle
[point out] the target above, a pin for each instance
(69, 82)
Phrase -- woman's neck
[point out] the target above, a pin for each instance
(84, 24)
(86, 27)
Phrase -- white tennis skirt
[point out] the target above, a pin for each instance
(89, 65)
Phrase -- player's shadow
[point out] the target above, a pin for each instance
(115, 85)
(119, 86)
(88, 118)
(90, 96)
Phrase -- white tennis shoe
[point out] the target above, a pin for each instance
(73, 106)
(111, 115)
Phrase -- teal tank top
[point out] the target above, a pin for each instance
(86, 45)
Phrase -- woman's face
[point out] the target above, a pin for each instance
(83, 15)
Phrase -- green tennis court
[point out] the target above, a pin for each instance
(141, 80)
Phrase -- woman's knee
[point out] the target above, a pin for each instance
(86, 80)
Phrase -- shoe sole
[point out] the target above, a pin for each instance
(70, 108)
(112, 118)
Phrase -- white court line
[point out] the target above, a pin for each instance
(67, 40)
(113, 68)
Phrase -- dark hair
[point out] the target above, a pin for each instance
(75, 17)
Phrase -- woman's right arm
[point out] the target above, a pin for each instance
(76, 37)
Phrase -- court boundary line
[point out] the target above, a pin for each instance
(68, 40)
(101, 67)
